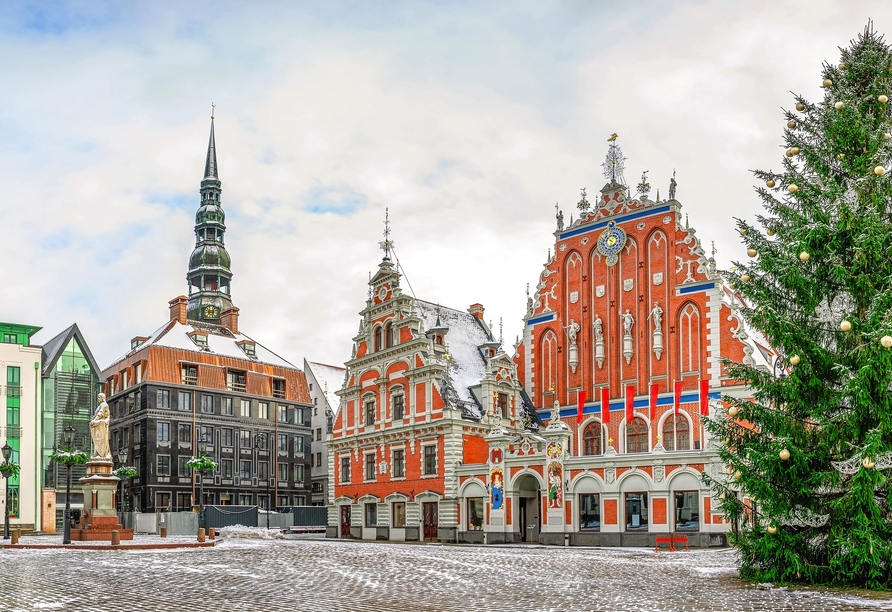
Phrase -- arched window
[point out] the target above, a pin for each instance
(689, 339)
(676, 433)
(548, 364)
(388, 336)
(636, 436)
(592, 439)
(377, 344)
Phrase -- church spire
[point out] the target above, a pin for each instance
(209, 275)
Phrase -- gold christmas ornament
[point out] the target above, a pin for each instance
(733, 411)
(770, 231)
(886, 341)
(882, 98)
(746, 278)
(751, 252)
(841, 156)
(794, 150)
(770, 183)
(794, 360)
(737, 475)
(887, 135)
(727, 441)
(784, 454)
(828, 83)
(879, 171)
(804, 256)
(845, 326)
(793, 188)
(866, 462)
(838, 106)
(800, 107)
(772, 529)
(791, 124)
(842, 66)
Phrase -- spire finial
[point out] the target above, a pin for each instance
(501, 336)
(213, 106)
(387, 243)
(210, 164)
(370, 285)
(713, 248)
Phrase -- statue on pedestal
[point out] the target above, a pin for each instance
(99, 430)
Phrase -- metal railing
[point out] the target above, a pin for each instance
(13, 391)
(190, 380)
(236, 386)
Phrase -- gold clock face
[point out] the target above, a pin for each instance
(210, 312)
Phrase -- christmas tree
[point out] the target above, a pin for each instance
(810, 454)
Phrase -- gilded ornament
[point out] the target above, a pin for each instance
(791, 124)
(828, 83)
(882, 98)
(784, 454)
(800, 107)
(868, 463)
(838, 106)
(737, 475)
(845, 326)
(770, 183)
(772, 529)
(886, 341)
(794, 360)
(770, 231)
(794, 151)
(793, 188)
(879, 171)
(804, 256)
(733, 411)
(752, 252)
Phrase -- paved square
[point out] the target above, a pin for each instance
(321, 575)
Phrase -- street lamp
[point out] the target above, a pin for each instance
(202, 451)
(259, 441)
(68, 444)
(7, 474)
(122, 459)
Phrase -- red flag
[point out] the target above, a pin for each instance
(678, 386)
(630, 402)
(605, 405)
(704, 397)
(580, 401)
(653, 402)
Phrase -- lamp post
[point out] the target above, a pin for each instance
(259, 441)
(202, 451)
(67, 443)
(7, 474)
(122, 459)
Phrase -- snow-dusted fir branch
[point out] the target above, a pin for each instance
(69, 456)
(202, 463)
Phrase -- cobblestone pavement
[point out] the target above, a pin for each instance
(320, 575)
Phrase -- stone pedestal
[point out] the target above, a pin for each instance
(99, 517)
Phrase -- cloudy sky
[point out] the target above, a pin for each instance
(469, 120)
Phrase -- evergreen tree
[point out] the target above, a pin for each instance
(810, 454)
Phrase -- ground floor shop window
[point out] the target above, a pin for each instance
(245, 499)
(636, 511)
(590, 512)
(398, 514)
(184, 501)
(475, 513)
(371, 515)
(687, 511)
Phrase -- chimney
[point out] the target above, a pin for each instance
(178, 309)
(476, 310)
(229, 319)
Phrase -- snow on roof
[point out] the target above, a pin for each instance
(466, 334)
(330, 380)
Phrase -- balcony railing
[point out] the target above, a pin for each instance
(237, 386)
(190, 379)
(13, 391)
(279, 393)
(13, 432)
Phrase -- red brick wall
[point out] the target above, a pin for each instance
(474, 449)
(659, 508)
(610, 517)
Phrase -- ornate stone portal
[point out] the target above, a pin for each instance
(100, 485)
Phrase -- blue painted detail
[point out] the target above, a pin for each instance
(696, 288)
(620, 405)
(542, 319)
(621, 219)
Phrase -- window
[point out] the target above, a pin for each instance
(283, 500)
(189, 374)
(345, 469)
(676, 433)
(236, 381)
(163, 399)
(261, 442)
(430, 460)
(318, 433)
(371, 513)
(399, 464)
(226, 406)
(185, 401)
(299, 416)
(298, 472)
(283, 414)
(226, 435)
(226, 468)
(245, 438)
(162, 465)
(246, 409)
(398, 514)
(200, 339)
(263, 410)
(377, 344)
(246, 469)
(636, 511)
(10, 338)
(278, 388)
(13, 393)
(369, 412)
(163, 432)
(249, 348)
(283, 443)
(137, 372)
(300, 500)
(184, 433)
(502, 402)
(206, 433)
(475, 513)
(137, 433)
(636, 436)
(319, 458)
(263, 470)
(370, 466)
(389, 336)
(182, 470)
(298, 444)
(398, 407)
(207, 404)
(590, 512)
(283, 472)
(592, 439)
(687, 511)
(245, 499)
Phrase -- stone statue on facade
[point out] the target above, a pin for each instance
(560, 218)
(628, 321)
(657, 316)
(599, 329)
(99, 429)
(572, 330)
(672, 186)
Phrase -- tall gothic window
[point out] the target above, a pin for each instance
(388, 336)
(676, 433)
(377, 344)
(549, 363)
(636, 436)
(592, 439)
(689, 339)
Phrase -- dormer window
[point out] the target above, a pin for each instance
(136, 341)
(199, 338)
(438, 339)
(249, 348)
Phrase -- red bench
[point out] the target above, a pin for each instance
(667, 540)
